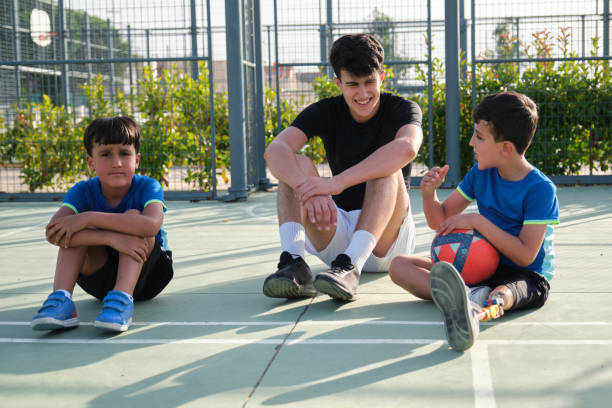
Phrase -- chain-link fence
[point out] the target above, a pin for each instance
(64, 62)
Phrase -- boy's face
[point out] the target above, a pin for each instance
(114, 164)
(487, 151)
(361, 93)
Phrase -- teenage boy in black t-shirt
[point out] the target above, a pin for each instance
(360, 218)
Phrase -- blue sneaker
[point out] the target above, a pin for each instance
(116, 312)
(57, 312)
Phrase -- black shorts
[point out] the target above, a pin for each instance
(530, 289)
(156, 274)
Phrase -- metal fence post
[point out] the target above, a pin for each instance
(63, 43)
(260, 126)
(211, 100)
(430, 87)
(606, 28)
(111, 55)
(16, 50)
(194, 41)
(451, 36)
(234, 45)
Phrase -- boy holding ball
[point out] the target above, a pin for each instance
(517, 205)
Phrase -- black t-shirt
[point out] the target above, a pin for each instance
(348, 142)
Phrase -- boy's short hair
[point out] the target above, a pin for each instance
(112, 130)
(359, 54)
(513, 117)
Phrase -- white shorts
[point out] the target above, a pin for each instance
(347, 222)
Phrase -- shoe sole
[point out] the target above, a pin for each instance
(332, 289)
(49, 323)
(448, 293)
(116, 327)
(287, 288)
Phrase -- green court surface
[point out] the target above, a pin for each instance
(211, 339)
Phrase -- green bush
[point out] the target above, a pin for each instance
(574, 101)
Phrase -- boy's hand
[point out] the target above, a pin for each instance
(131, 245)
(316, 186)
(61, 230)
(321, 212)
(459, 221)
(433, 179)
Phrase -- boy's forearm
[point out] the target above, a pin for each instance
(433, 209)
(125, 223)
(91, 237)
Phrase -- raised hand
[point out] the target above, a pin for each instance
(433, 179)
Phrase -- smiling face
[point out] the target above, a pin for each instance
(361, 93)
(115, 165)
(487, 151)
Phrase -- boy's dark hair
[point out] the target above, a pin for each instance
(512, 116)
(359, 54)
(112, 130)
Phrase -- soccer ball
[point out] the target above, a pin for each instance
(469, 252)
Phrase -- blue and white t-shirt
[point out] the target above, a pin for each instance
(87, 196)
(511, 204)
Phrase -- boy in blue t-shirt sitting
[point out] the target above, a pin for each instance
(109, 233)
(517, 205)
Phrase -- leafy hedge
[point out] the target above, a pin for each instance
(574, 100)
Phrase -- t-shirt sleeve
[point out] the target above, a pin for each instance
(541, 205)
(152, 192)
(466, 187)
(76, 198)
(311, 119)
(407, 112)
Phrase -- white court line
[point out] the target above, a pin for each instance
(298, 342)
(336, 323)
(17, 231)
(484, 396)
(251, 213)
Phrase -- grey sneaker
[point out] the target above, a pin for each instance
(451, 296)
(293, 279)
(339, 282)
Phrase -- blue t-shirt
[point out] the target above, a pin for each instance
(87, 196)
(511, 204)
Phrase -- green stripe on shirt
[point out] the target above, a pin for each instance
(70, 206)
(464, 195)
(538, 222)
(155, 200)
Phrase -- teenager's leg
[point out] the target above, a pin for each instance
(412, 274)
(385, 206)
(290, 209)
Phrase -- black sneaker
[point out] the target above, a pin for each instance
(341, 281)
(293, 279)
(451, 296)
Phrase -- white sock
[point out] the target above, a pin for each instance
(128, 295)
(293, 238)
(360, 248)
(65, 292)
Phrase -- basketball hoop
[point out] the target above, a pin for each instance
(40, 28)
